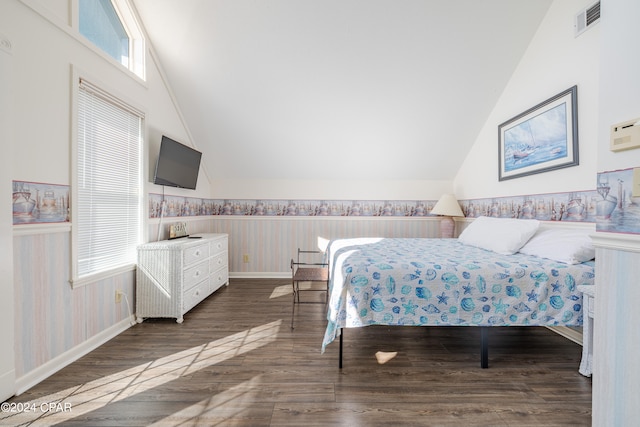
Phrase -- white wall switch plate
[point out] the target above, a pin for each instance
(625, 135)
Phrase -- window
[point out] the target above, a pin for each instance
(99, 23)
(107, 183)
(111, 26)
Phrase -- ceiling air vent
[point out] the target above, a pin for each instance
(586, 18)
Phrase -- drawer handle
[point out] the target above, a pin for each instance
(197, 273)
(197, 253)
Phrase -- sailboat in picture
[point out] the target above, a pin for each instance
(607, 204)
(525, 149)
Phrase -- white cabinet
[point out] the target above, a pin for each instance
(173, 276)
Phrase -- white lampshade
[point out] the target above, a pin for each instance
(447, 206)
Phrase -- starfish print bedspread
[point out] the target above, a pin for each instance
(437, 282)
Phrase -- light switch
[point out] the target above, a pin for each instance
(635, 191)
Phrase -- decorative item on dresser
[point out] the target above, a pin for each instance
(173, 276)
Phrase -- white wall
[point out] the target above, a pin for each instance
(619, 79)
(339, 91)
(554, 61)
(331, 190)
(7, 365)
(616, 378)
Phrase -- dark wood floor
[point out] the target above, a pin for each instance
(236, 362)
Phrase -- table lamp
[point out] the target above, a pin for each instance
(447, 207)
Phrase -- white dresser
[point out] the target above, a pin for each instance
(173, 276)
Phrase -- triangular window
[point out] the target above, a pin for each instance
(111, 26)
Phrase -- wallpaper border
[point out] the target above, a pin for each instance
(40, 203)
(610, 205)
(180, 206)
(577, 206)
(568, 206)
(618, 210)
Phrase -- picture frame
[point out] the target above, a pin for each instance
(542, 139)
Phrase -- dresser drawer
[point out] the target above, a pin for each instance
(219, 278)
(194, 295)
(219, 245)
(195, 254)
(195, 274)
(219, 261)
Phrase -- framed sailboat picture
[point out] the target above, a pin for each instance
(542, 139)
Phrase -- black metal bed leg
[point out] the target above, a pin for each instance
(340, 357)
(484, 344)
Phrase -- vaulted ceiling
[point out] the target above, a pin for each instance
(337, 89)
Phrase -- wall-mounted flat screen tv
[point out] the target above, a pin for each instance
(177, 165)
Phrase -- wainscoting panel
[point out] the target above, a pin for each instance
(270, 242)
(616, 371)
(52, 318)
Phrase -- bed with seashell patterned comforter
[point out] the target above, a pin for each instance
(443, 282)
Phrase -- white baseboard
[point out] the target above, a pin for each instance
(42, 372)
(569, 333)
(7, 384)
(259, 275)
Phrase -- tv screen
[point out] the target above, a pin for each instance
(177, 165)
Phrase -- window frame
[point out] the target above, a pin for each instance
(76, 280)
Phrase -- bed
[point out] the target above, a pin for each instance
(449, 282)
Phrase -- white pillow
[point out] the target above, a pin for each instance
(568, 246)
(502, 235)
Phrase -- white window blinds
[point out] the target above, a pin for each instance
(108, 204)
